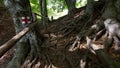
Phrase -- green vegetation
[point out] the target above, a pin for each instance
(1, 3)
(55, 8)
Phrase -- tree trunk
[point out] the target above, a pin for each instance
(43, 9)
(112, 9)
(71, 6)
(112, 12)
(29, 43)
(90, 9)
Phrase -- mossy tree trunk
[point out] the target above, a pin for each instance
(28, 45)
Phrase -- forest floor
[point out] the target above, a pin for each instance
(62, 49)
(58, 40)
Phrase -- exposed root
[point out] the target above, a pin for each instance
(28, 64)
(76, 44)
(37, 65)
(100, 53)
(69, 62)
(95, 55)
(91, 46)
(71, 26)
(49, 61)
(99, 34)
(112, 26)
(83, 60)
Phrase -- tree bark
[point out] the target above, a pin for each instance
(110, 11)
(71, 6)
(90, 9)
(43, 10)
(27, 44)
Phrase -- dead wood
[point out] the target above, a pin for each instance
(9, 44)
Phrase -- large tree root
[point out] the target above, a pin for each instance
(75, 45)
(99, 50)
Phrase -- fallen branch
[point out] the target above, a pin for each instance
(9, 44)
